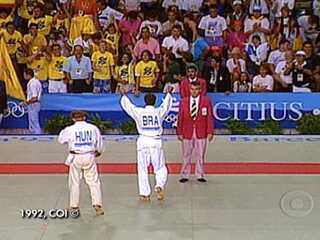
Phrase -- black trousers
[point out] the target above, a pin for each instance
(80, 86)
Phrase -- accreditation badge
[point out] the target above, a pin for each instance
(300, 77)
(204, 111)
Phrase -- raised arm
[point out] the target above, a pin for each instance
(165, 105)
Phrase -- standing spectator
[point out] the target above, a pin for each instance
(195, 128)
(103, 69)
(199, 50)
(257, 25)
(243, 85)
(236, 64)
(301, 73)
(34, 41)
(283, 72)
(175, 43)
(85, 41)
(217, 76)
(5, 17)
(192, 6)
(172, 73)
(190, 28)
(25, 12)
(313, 61)
(78, 72)
(147, 73)
(279, 4)
(263, 82)
(214, 27)
(55, 70)
(3, 100)
(153, 24)
(113, 37)
(192, 76)
(129, 28)
(13, 40)
(43, 22)
(39, 64)
(34, 91)
(124, 74)
(105, 13)
(147, 43)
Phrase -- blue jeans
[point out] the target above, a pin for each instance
(101, 86)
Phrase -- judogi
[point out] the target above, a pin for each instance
(34, 89)
(84, 140)
(149, 144)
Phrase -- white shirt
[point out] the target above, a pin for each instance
(263, 22)
(281, 3)
(261, 52)
(280, 68)
(148, 119)
(232, 64)
(176, 44)
(167, 3)
(34, 89)
(316, 7)
(266, 81)
(82, 137)
(155, 27)
(276, 57)
(192, 99)
(106, 13)
(192, 5)
(213, 27)
(262, 3)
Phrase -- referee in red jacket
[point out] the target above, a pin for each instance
(194, 130)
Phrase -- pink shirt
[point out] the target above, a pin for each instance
(237, 40)
(152, 45)
(133, 28)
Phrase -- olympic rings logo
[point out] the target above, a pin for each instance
(16, 110)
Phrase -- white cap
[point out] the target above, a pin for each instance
(301, 53)
(237, 2)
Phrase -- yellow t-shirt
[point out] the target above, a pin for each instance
(4, 21)
(62, 23)
(147, 73)
(12, 41)
(25, 10)
(113, 40)
(40, 68)
(37, 43)
(125, 73)
(102, 61)
(55, 67)
(44, 24)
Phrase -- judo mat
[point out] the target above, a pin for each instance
(259, 188)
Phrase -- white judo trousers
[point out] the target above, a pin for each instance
(33, 118)
(149, 144)
(84, 165)
(151, 153)
(57, 86)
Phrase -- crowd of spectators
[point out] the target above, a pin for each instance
(148, 45)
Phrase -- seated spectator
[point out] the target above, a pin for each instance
(147, 43)
(172, 73)
(170, 23)
(257, 53)
(279, 4)
(237, 38)
(217, 76)
(263, 5)
(277, 55)
(243, 84)
(214, 27)
(147, 73)
(283, 73)
(168, 3)
(192, 76)
(257, 24)
(263, 82)
(192, 6)
(316, 7)
(78, 72)
(103, 69)
(124, 74)
(310, 26)
(236, 64)
(313, 61)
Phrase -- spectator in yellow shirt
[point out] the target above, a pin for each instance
(34, 40)
(39, 64)
(12, 38)
(5, 17)
(55, 70)
(147, 73)
(43, 22)
(103, 69)
(112, 37)
(25, 12)
(124, 74)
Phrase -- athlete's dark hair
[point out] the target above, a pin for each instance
(150, 99)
